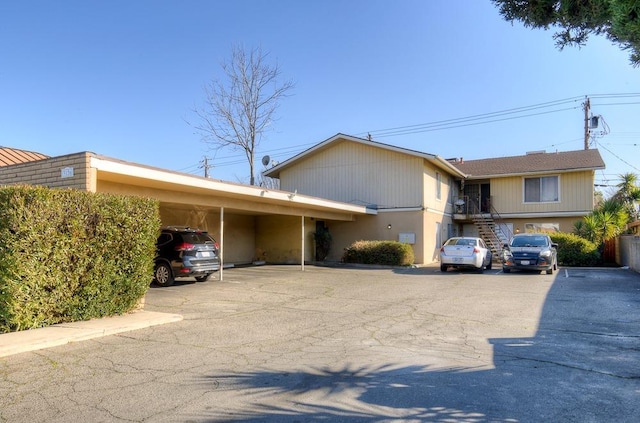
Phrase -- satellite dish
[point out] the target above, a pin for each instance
(266, 160)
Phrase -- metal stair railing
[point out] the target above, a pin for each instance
(487, 229)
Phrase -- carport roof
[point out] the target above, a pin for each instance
(180, 188)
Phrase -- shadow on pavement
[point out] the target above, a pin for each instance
(583, 365)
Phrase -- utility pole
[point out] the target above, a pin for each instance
(587, 108)
(205, 164)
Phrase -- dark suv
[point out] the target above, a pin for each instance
(185, 252)
(530, 251)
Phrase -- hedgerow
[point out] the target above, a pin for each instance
(68, 255)
(390, 253)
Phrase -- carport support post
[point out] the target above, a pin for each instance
(302, 249)
(221, 250)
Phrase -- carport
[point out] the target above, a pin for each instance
(251, 223)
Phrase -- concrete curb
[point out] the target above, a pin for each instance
(64, 333)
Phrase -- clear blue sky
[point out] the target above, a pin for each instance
(121, 78)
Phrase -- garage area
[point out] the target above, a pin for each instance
(251, 223)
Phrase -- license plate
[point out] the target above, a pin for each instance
(524, 262)
(457, 259)
(206, 254)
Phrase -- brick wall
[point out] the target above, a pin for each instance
(70, 171)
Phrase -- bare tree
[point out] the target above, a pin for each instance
(239, 109)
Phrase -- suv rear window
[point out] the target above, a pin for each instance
(197, 238)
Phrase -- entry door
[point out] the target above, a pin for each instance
(485, 198)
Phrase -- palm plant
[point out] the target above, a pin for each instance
(604, 223)
(628, 194)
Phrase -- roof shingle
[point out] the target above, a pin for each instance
(537, 162)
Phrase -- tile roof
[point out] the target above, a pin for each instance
(10, 156)
(535, 162)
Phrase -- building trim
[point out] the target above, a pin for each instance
(580, 213)
(438, 161)
(105, 166)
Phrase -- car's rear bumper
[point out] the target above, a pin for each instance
(461, 261)
(196, 269)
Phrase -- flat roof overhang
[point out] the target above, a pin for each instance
(168, 187)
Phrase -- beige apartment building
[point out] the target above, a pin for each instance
(424, 199)
(359, 189)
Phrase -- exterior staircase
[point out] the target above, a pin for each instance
(495, 235)
(487, 230)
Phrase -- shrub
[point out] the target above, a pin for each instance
(574, 250)
(323, 243)
(68, 255)
(390, 253)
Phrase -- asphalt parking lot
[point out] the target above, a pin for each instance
(273, 343)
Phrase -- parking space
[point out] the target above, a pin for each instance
(273, 343)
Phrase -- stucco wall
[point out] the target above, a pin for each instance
(377, 228)
(70, 171)
(566, 223)
(279, 239)
(628, 251)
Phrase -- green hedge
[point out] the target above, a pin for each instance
(68, 255)
(574, 250)
(390, 253)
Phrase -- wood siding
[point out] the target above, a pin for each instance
(430, 181)
(358, 174)
(575, 194)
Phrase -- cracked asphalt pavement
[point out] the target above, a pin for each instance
(274, 343)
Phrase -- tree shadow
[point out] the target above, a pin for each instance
(583, 364)
(362, 394)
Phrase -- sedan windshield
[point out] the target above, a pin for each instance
(529, 241)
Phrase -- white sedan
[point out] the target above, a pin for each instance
(465, 252)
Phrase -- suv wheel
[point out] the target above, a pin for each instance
(163, 275)
(202, 278)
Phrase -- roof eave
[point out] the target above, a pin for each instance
(106, 164)
(537, 172)
(274, 172)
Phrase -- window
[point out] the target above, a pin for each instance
(438, 185)
(541, 190)
(542, 227)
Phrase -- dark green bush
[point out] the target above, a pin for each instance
(390, 253)
(68, 255)
(574, 250)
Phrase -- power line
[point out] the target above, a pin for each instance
(489, 117)
(441, 127)
(476, 119)
(620, 158)
(472, 120)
